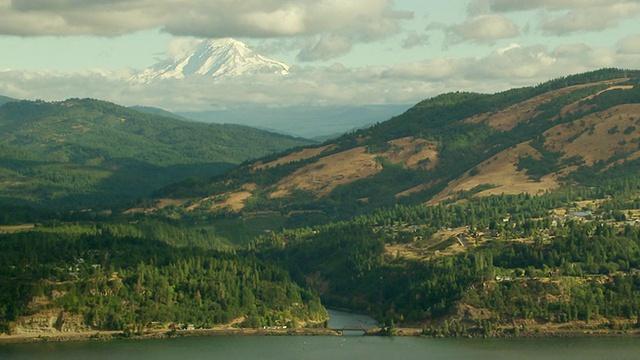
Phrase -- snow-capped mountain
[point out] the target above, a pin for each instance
(217, 58)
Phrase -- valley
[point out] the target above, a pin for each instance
(85, 153)
(507, 214)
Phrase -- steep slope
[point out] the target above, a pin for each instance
(347, 220)
(217, 58)
(608, 136)
(6, 99)
(89, 152)
(156, 111)
(455, 145)
(128, 283)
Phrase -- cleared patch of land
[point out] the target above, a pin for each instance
(296, 156)
(15, 228)
(445, 242)
(413, 153)
(234, 201)
(502, 174)
(509, 118)
(322, 176)
(161, 204)
(597, 136)
(576, 106)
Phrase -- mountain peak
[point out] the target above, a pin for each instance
(216, 58)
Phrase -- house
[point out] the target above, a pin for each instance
(581, 214)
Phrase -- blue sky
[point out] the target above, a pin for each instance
(342, 51)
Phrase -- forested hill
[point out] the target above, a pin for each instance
(6, 99)
(89, 153)
(470, 214)
(527, 140)
(157, 111)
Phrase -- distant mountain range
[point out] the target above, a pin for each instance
(311, 122)
(216, 58)
(88, 153)
(568, 131)
(468, 215)
(228, 59)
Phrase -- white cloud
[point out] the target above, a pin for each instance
(519, 5)
(502, 68)
(629, 45)
(588, 19)
(355, 20)
(288, 21)
(601, 58)
(515, 62)
(572, 51)
(412, 40)
(432, 70)
(347, 22)
(484, 28)
(327, 47)
(564, 17)
(179, 46)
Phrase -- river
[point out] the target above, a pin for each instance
(330, 347)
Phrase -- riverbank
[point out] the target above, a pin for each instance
(233, 331)
(536, 332)
(160, 333)
(401, 332)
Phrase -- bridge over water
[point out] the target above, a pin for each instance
(356, 330)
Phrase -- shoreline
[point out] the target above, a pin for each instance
(111, 335)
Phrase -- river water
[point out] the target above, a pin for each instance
(330, 347)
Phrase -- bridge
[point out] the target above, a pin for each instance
(359, 330)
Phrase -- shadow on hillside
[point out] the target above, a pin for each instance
(119, 184)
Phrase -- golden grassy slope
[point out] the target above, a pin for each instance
(593, 137)
(501, 172)
(322, 176)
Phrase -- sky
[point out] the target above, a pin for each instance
(341, 52)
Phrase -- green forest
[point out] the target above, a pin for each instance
(573, 258)
(176, 273)
(126, 283)
(95, 154)
(563, 259)
(461, 147)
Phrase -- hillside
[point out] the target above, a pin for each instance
(89, 153)
(6, 99)
(510, 214)
(98, 280)
(156, 111)
(514, 214)
(528, 140)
